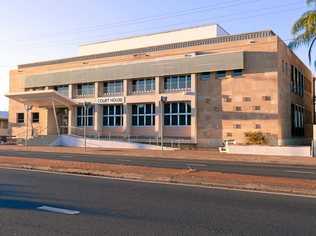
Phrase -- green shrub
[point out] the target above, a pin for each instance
(255, 138)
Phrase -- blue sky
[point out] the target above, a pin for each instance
(49, 29)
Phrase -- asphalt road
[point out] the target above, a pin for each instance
(112, 207)
(221, 166)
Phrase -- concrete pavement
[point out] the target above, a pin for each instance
(111, 207)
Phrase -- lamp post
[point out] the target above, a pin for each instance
(163, 100)
(85, 121)
(27, 109)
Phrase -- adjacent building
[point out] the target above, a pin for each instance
(198, 86)
(4, 131)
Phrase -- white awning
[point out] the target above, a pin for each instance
(43, 98)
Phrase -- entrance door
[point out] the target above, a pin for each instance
(62, 118)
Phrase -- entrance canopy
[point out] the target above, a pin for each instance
(43, 98)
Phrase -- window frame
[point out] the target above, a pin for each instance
(170, 114)
(142, 113)
(82, 117)
(85, 89)
(36, 120)
(239, 74)
(18, 120)
(116, 86)
(172, 83)
(221, 74)
(115, 115)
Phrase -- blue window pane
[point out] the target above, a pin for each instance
(134, 120)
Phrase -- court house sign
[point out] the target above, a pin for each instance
(110, 100)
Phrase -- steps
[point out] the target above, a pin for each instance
(47, 140)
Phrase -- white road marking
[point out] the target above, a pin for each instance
(126, 160)
(58, 210)
(300, 172)
(190, 164)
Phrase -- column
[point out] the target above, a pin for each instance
(70, 91)
(96, 89)
(157, 106)
(194, 108)
(125, 87)
(71, 119)
(127, 120)
(98, 121)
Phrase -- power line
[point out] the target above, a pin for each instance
(154, 18)
(276, 9)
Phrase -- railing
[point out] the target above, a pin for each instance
(141, 91)
(173, 90)
(4, 132)
(112, 94)
(87, 93)
(176, 142)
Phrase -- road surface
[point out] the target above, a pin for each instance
(220, 166)
(112, 207)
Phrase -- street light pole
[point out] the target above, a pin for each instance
(27, 109)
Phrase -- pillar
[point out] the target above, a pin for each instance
(157, 106)
(127, 119)
(194, 108)
(70, 91)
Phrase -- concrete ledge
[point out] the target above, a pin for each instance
(302, 151)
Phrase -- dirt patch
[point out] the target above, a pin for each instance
(189, 176)
(208, 154)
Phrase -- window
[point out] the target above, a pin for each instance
(113, 87)
(177, 82)
(205, 76)
(258, 126)
(81, 116)
(237, 126)
(143, 114)
(247, 99)
(85, 89)
(35, 117)
(227, 98)
(20, 118)
(177, 114)
(62, 89)
(238, 108)
(143, 85)
(112, 115)
(282, 65)
(229, 135)
(220, 74)
(297, 118)
(292, 78)
(237, 73)
(257, 108)
(297, 81)
(266, 98)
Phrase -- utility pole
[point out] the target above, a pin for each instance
(27, 109)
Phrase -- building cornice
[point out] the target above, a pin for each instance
(217, 40)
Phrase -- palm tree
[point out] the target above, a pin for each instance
(304, 31)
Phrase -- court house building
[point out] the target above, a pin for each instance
(199, 86)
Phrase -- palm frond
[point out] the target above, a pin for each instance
(301, 40)
(310, 2)
(306, 22)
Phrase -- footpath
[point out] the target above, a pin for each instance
(184, 176)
